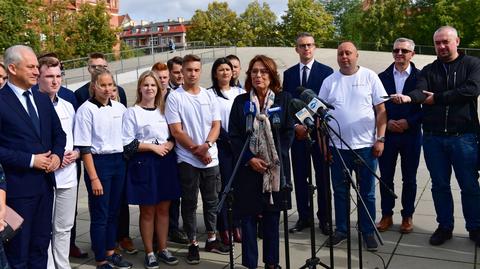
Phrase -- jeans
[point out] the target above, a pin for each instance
(3, 258)
(193, 179)
(408, 146)
(104, 208)
(460, 152)
(367, 189)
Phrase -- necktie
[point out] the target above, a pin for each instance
(32, 112)
(304, 76)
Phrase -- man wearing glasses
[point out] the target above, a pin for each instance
(403, 136)
(448, 89)
(96, 60)
(310, 74)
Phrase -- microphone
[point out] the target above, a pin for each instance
(299, 109)
(249, 110)
(308, 95)
(274, 113)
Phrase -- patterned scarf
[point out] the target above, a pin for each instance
(262, 144)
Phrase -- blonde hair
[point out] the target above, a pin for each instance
(97, 73)
(159, 97)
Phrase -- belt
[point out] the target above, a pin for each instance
(443, 133)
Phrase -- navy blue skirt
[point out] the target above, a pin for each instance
(152, 178)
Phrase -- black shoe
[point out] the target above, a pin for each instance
(440, 236)
(217, 247)
(193, 256)
(370, 243)
(324, 228)
(300, 225)
(178, 236)
(116, 261)
(475, 236)
(337, 239)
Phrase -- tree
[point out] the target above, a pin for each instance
(307, 16)
(92, 31)
(258, 25)
(347, 17)
(16, 25)
(215, 26)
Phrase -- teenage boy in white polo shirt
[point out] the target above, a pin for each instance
(193, 116)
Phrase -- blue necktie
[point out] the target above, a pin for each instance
(32, 112)
(304, 76)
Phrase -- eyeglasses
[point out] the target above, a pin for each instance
(306, 46)
(404, 51)
(262, 72)
(99, 66)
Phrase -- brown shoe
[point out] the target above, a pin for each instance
(407, 225)
(385, 223)
(126, 244)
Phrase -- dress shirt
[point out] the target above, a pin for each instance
(400, 78)
(309, 68)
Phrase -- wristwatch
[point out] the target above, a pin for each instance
(210, 144)
(381, 139)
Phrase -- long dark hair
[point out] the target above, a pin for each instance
(216, 64)
(271, 66)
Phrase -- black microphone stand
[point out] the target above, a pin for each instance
(284, 187)
(227, 195)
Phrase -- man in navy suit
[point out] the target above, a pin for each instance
(31, 148)
(310, 74)
(403, 136)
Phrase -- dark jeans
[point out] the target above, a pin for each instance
(123, 229)
(3, 258)
(270, 239)
(460, 152)
(104, 208)
(367, 189)
(226, 164)
(408, 146)
(174, 215)
(207, 181)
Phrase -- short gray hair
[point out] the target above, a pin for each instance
(447, 28)
(13, 55)
(404, 39)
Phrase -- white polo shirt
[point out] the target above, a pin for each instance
(147, 126)
(99, 127)
(354, 98)
(225, 104)
(66, 177)
(195, 112)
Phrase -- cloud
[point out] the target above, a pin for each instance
(155, 10)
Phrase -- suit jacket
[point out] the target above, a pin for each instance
(82, 94)
(291, 78)
(19, 140)
(65, 94)
(411, 112)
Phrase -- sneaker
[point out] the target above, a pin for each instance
(127, 245)
(150, 262)
(440, 236)
(475, 236)
(193, 256)
(167, 257)
(370, 243)
(337, 239)
(104, 266)
(216, 247)
(118, 262)
(177, 236)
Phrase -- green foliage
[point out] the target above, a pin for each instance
(215, 26)
(92, 31)
(16, 24)
(307, 16)
(347, 17)
(258, 25)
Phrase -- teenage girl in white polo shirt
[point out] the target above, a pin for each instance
(98, 129)
(152, 180)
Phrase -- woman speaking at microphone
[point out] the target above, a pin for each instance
(258, 184)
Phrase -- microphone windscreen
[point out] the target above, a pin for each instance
(249, 108)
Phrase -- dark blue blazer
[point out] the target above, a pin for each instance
(19, 140)
(411, 112)
(82, 94)
(291, 78)
(65, 94)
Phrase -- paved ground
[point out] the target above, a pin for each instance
(400, 251)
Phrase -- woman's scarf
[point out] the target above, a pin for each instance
(262, 144)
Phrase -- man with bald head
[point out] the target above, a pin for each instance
(32, 146)
(356, 93)
(448, 88)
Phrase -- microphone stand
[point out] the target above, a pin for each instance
(350, 183)
(285, 188)
(227, 195)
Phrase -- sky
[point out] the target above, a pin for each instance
(162, 10)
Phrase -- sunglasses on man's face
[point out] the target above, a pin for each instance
(404, 51)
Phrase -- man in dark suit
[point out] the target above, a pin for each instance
(403, 136)
(310, 74)
(96, 60)
(31, 148)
